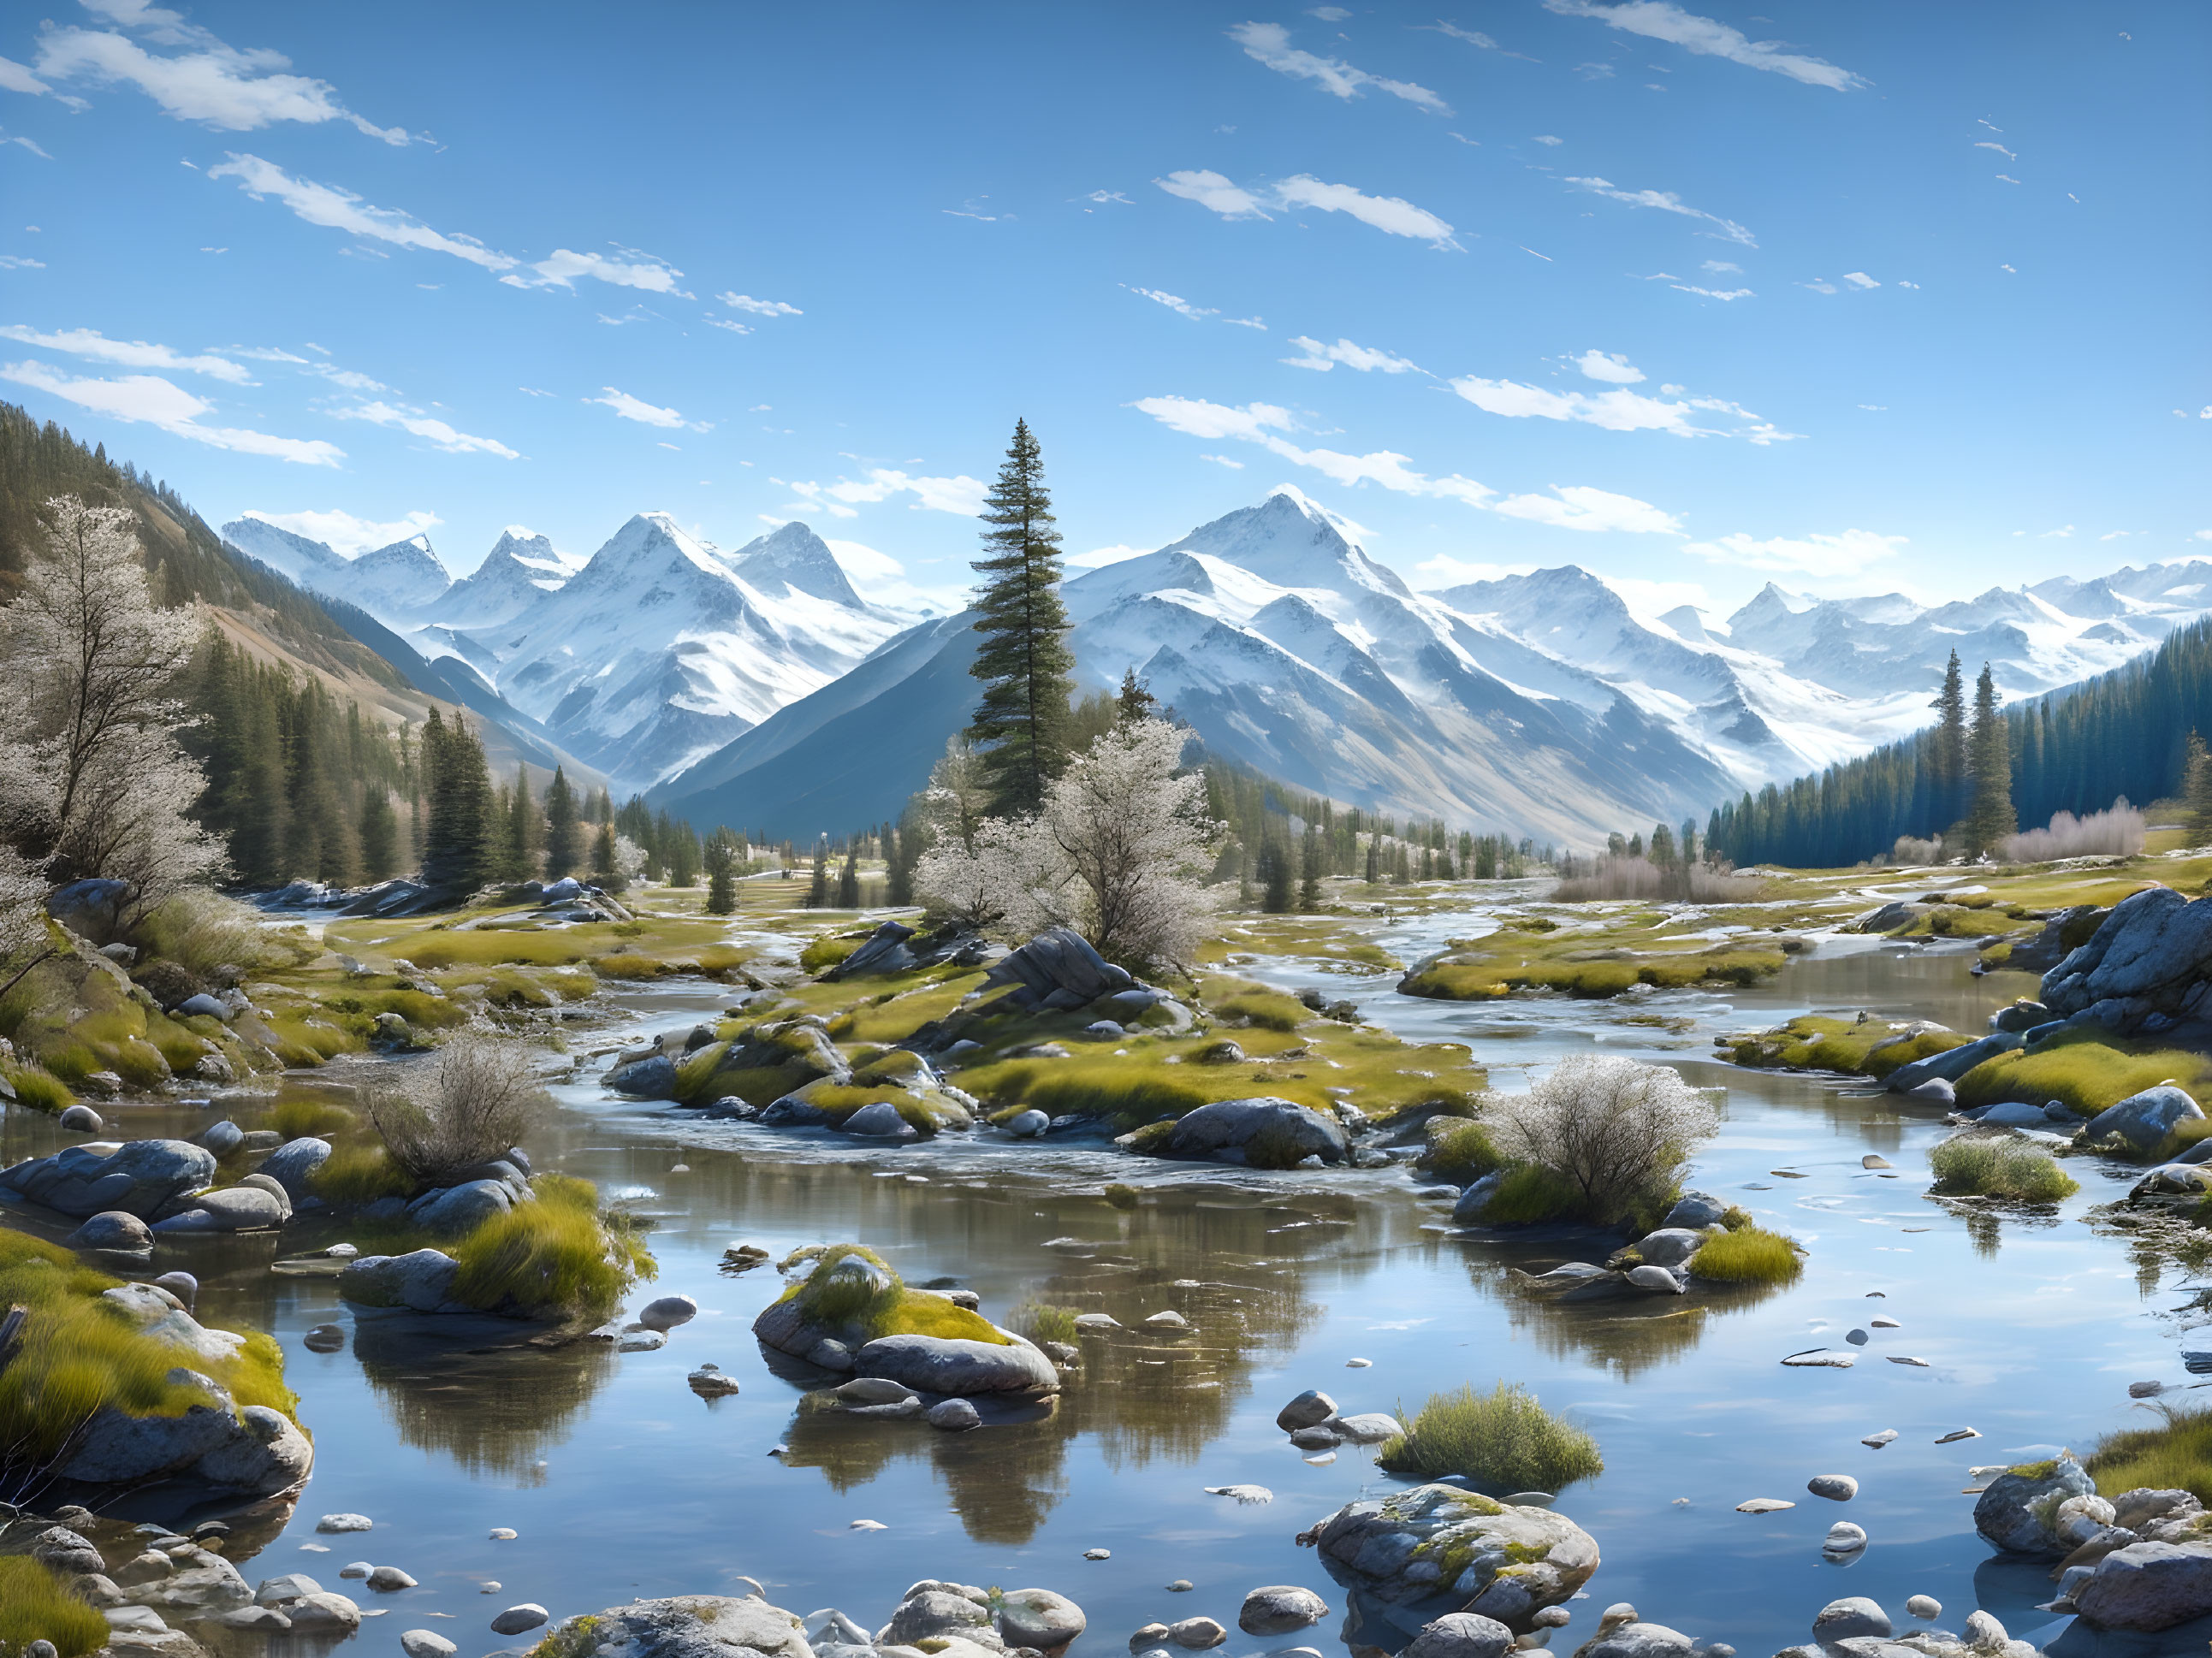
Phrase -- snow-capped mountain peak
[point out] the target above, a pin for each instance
(794, 556)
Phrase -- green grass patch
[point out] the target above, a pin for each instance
(1748, 1254)
(38, 1089)
(300, 1115)
(1121, 1194)
(557, 1255)
(889, 1309)
(828, 951)
(1531, 1194)
(1816, 1043)
(1459, 1151)
(1267, 1009)
(312, 1042)
(79, 1353)
(2084, 1072)
(2175, 1455)
(35, 1605)
(1485, 975)
(360, 1174)
(1505, 1438)
(1041, 1322)
(1990, 1166)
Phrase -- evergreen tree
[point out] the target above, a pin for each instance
(681, 842)
(1134, 701)
(564, 843)
(1277, 882)
(601, 809)
(456, 850)
(525, 829)
(719, 856)
(848, 879)
(1374, 859)
(1990, 818)
(1948, 758)
(817, 889)
(606, 867)
(379, 835)
(1022, 721)
(2196, 791)
(1310, 873)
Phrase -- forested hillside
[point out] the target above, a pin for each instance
(2123, 733)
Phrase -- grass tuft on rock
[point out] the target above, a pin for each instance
(38, 1088)
(300, 1116)
(35, 1605)
(1748, 1254)
(1041, 1322)
(79, 1353)
(1458, 1150)
(1993, 1166)
(556, 1255)
(2175, 1455)
(1260, 1008)
(361, 1174)
(893, 1309)
(1505, 1438)
(2084, 1074)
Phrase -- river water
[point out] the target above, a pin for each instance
(620, 1483)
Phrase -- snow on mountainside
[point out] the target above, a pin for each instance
(519, 568)
(397, 584)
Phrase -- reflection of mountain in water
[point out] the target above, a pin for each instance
(480, 1394)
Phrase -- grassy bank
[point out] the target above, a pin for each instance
(1504, 1439)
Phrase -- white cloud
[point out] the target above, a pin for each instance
(1270, 44)
(2007, 178)
(1390, 214)
(1571, 506)
(1720, 267)
(1329, 13)
(1818, 556)
(1103, 197)
(654, 275)
(424, 426)
(1985, 144)
(17, 261)
(882, 579)
(164, 403)
(1213, 192)
(1174, 302)
(1365, 359)
(2201, 535)
(1658, 20)
(1648, 600)
(734, 327)
(1098, 557)
(1610, 367)
(1822, 285)
(29, 145)
(343, 534)
(2063, 533)
(961, 495)
(130, 354)
(1668, 202)
(210, 82)
(637, 409)
(1224, 460)
(1860, 280)
(759, 308)
(1547, 138)
(341, 210)
(1618, 410)
(1246, 322)
(17, 77)
(1445, 571)
(1906, 284)
(2115, 535)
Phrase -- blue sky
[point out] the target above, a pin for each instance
(1854, 298)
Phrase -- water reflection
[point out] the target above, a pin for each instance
(489, 1397)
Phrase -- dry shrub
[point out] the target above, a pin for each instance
(481, 1097)
(1612, 1129)
(2118, 831)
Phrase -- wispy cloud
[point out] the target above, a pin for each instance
(343, 534)
(129, 353)
(1174, 302)
(1365, 359)
(1668, 202)
(1658, 20)
(1547, 140)
(1475, 38)
(413, 421)
(1608, 366)
(1986, 144)
(960, 496)
(1392, 214)
(641, 270)
(163, 403)
(204, 80)
(1270, 44)
(334, 208)
(1572, 507)
(1618, 409)
(759, 307)
(1848, 553)
(638, 409)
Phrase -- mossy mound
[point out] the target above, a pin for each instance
(1503, 1438)
(851, 1295)
(1858, 1047)
(2085, 1071)
(557, 1256)
(1748, 1254)
(1998, 1166)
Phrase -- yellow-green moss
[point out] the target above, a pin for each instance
(360, 1174)
(1505, 1438)
(2084, 1072)
(35, 1605)
(2175, 1455)
(1748, 1254)
(1998, 1166)
(892, 1310)
(38, 1088)
(556, 1255)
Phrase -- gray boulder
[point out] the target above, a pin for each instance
(203, 1005)
(879, 1121)
(884, 950)
(1039, 1619)
(1670, 1246)
(81, 1120)
(1474, 1203)
(141, 1178)
(933, 1610)
(216, 1447)
(517, 1619)
(1028, 1125)
(419, 1282)
(2148, 1586)
(953, 1415)
(1263, 1131)
(222, 1137)
(1309, 1410)
(1631, 1637)
(92, 908)
(649, 1078)
(945, 1364)
(1518, 1559)
(2147, 969)
(1853, 1615)
(1461, 1635)
(1696, 1210)
(666, 1312)
(455, 1211)
(293, 1165)
(1952, 1063)
(2014, 1513)
(1280, 1609)
(226, 1209)
(2145, 1119)
(1057, 959)
(113, 1229)
(686, 1626)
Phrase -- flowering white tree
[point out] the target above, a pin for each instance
(1612, 1128)
(1118, 852)
(956, 798)
(92, 781)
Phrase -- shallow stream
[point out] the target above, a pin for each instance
(621, 1482)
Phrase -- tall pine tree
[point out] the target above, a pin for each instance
(1022, 722)
(1946, 759)
(456, 843)
(721, 855)
(564, 837)
(1990, 819)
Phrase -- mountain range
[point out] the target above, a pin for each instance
(758, 686)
